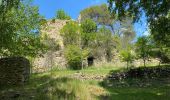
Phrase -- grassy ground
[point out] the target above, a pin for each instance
(60, 85)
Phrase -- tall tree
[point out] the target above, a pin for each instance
(156, 12)
(20, 31)
(88, 28)
(127, 33)
(106, 42)
(143, 48)
(100, 14)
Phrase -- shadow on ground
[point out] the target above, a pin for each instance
(152, 85)
(47, 88)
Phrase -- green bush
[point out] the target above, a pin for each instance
(60, 14)
(70, 33)
(74, 56)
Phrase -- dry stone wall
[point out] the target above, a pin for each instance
(14, 71)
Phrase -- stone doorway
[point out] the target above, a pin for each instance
(90, 60)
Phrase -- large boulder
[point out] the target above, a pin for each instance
(14, 71)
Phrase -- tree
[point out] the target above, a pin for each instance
(20, 31)
(127, 32)
(127, 56)
(160, 51)
(88, 30)
(60, 14)
(76, 41)
(71, 33)
(156, 12)
(88, 26)
(105, 40)
(100, 14)
(143, 48)
(160, 30)
(6, 5)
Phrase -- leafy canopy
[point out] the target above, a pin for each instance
(71, 33)
(88, 33)
(105, 40)
(100, 14)
(88, 26)
(156, 12)
(19, 30)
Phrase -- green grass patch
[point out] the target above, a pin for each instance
(135, 93)
(58, 85)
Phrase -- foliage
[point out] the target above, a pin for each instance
(75, 56)
(143, 48)
(123, 31)
(127, 29)
(162, 53)
(88, 26)
(6, 5)
(152, 8)
(160, 30)
(50, 43)
(20, 31)
(156, 12)
(100, 14)
(88, 30)
(60, 14)
(159, 51)
(127, 56)
(106, 41)
(71, 33)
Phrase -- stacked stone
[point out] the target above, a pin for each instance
(14, 71)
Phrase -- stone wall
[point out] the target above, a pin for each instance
(14, 71)
(52, 58)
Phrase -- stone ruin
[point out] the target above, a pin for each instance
(14, 71)
(52, 58)
(55, 58)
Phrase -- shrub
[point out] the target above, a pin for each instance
(60, 14)
(74, 56)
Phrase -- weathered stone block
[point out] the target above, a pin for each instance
(14, 71)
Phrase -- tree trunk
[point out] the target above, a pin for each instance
(159, 62)
(127, 65)
(144, 62)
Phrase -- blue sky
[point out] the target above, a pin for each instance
(73, 7)
(48, 8)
